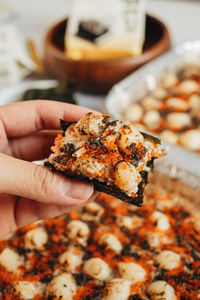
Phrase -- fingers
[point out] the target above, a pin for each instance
(7, 219)
(28, 211)
(36, 146)
(16, 212)
(28, 180)
(24, 118)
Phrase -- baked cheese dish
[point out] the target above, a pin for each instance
(108, 250)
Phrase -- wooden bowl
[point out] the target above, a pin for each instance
(98, 76)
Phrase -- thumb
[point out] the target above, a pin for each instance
(35, 182)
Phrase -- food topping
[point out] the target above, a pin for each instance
(111, 152)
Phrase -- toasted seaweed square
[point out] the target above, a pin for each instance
(110, 189)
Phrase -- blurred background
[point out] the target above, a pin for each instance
(35, 17)
(31, 68)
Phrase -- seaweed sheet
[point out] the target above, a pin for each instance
(110, 189)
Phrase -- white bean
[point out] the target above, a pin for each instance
(125, 177)
(111, 242)
(70, 260)
(177, 103)
(188, 86)
(168, 260)
(169, 136)
(36, 238)
(63, 286)
(160, 93)
(156, 239)
(178, 120)
(94, 208)
(169, 80)
(97, 268)
(89, 124)
(129, 222)
(191, 139)
(116, 289)
(93, 212)
(125, 221)
(152, 119)
(131, 271)
(11, 260)
(26, 290)
(197, 225)
(129, 134)
(134, 113)
(161, 290)
(161, 220)
(150, 103)
(79, 231)
(194, 101)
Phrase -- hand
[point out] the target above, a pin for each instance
(29, 192)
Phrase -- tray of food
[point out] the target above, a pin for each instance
(164, 97)
(111, 249)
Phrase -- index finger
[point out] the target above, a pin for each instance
(23, 118)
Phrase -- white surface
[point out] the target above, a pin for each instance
(182, 17)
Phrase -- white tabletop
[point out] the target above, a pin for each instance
(33, 18)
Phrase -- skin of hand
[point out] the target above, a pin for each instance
(29, 192)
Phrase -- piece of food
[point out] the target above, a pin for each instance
(113, 155)
(121, 252)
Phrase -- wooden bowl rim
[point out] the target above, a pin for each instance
(161, 44)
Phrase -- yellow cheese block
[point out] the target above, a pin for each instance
(78, 48)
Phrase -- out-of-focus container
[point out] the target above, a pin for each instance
(177, 179)
(144, 81)
(98, 76)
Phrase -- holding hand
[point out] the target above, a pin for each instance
(29, 192)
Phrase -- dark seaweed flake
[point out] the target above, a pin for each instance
(64, 124)
(144, 244)
(105, 119)
(151, 137)
(33, 272)
(81, 278)
(68, 148)
(161, 275)
(87, 255)
(135, 255)
(20, 251)
(58, 159)
(95, 142)
(46, 278)
(51, 264)
(113, 123)
(135, 297)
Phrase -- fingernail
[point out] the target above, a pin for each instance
(79, 190)
(92, 198)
